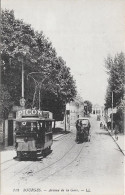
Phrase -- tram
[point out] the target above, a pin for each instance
(83, 129)
(33, 133)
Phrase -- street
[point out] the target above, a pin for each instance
(90, 167)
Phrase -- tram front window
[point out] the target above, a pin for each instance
(48, 126)
(28, 126)
(84, 122)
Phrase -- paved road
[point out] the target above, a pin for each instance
(96, 167)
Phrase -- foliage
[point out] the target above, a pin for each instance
(115, 90)
(116, 71)
(5, 102)
(89, 105)
(118, 118)
(78, 99)
(44, 70)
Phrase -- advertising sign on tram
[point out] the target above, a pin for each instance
(33, 113)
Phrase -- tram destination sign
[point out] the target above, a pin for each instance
(33, 113)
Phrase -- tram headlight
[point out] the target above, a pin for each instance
(23, 123)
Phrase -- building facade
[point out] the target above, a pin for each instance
(97, 109)
(76, 110)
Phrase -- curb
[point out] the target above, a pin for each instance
(57, 136)
(115, 142)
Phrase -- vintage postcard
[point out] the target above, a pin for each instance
(62, 97)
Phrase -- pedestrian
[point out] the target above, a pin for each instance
(116, 131)
(78, 127)
(109, 125)
(101, 125)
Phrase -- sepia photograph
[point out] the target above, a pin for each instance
(62, 97)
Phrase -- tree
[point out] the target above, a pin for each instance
(5, 102)
(21, 44)
(88, 106)
(116, 71)
(116, 82)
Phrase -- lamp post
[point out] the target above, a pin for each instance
(22, 100)
(65, 120)
(22, 79)
(68, 114)
(65, 112)
(112, 114)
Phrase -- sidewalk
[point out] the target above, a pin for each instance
(120, 142)
(121, 138)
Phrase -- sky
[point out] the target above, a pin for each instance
(83, 32)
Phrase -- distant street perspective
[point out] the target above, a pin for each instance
(94, 166)
(62, 97)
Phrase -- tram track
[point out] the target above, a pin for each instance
(38, 161)
(74, 159)
(51, 165)
(57, 138)
(55, 162)
(61, 139)
(29, 166)
(6, 161)
(9, 166)
(25, 174)
(43, 158)
(64, 166)
(20, 172)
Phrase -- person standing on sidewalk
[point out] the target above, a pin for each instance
(101, 125)
(78, 128)
(116, 131)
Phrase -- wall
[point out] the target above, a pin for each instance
(76, 110)
(97, 109)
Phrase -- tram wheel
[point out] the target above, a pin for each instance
(39, 155)
(44, 153)
(49, 148)
(19, 156)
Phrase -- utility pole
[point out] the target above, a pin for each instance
(112, 113)
(65, 120)
(22, 100)
(39, 85)
(22, 79)
(39, 99)
(68, 115)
